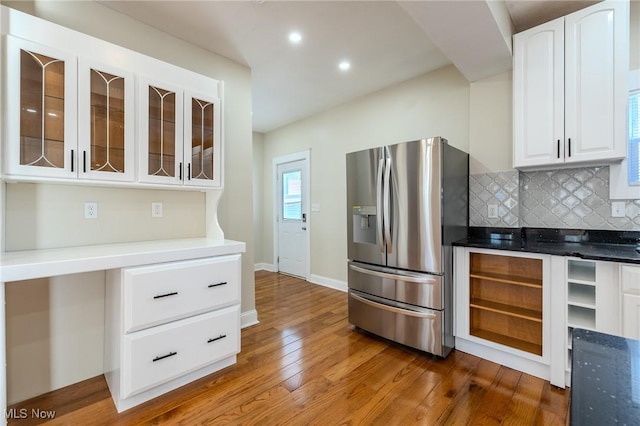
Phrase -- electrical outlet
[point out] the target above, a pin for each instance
(618, 209)
(492, 211)
(156, 209)
(90, 210)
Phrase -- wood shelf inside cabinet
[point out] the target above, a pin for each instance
(508, 341)
(510, 310)
(507, 279)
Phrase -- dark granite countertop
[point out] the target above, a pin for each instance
(616, 246)
(605, 379)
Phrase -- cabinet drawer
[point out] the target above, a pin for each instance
(630, 279)
(166, 292)
(157, 355)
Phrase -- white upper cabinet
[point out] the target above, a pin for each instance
(161, 135)
(105, 122)
(570, 89)
(41, 104)
(202, 140)
(180, 136)
(79, 109)
(538, 102)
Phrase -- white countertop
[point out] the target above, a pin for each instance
(30, 264)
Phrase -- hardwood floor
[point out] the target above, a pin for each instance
(305, 364)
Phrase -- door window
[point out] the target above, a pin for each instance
(292, 195)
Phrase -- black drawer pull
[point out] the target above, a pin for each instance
(165, 295)
(222, 336)
(217, 285)
(158, 358)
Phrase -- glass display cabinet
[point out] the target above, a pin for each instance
(106, 122)
(202, 140)
(161, 133)
(41, 99)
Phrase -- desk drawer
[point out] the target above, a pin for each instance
(161, 293)
(154, 356)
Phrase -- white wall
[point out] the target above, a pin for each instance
(634, 30)
(435, 104)
(41, 216)
(258, 196)
(490, 124)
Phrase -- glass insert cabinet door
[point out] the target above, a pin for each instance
(41, 110)
(202, 140)
(161, 133)
(106, 122)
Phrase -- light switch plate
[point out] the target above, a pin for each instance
(492, 211)
(618, 209)
(156, 209)
(315, 207)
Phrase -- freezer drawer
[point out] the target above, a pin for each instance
(419, 328)
(403, 286)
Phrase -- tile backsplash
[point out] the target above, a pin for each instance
(501, 189)
(573, 198)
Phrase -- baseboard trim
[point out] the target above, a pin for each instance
(249, 318)
(328, 282)
(264, 267)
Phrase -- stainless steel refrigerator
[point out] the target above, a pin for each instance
(406, 204)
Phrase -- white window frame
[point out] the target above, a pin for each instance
(619, 188)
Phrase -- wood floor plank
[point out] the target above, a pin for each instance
(304, 364)
(494, 406)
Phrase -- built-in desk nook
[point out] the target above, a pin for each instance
(88, 123)
(172, 309)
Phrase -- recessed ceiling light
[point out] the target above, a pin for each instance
(295, 37)
(344, 65)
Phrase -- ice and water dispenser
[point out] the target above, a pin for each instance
(364, 224)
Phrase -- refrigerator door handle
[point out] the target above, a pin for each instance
(379, 214)
(393, 308)
(387, 205)
(406, 278)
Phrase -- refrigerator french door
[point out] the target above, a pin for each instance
(406, 203)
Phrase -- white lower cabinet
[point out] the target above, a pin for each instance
(159, 354)
(506, 305)
(168, 324)
(576, 293)
(156, 294)
(592, 295)
(630, 289)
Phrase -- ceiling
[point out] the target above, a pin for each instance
(386, 42)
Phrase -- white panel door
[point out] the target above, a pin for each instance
(596, 80)
(538, 95)
(292, 218)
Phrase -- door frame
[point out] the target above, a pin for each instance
(283, 159)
